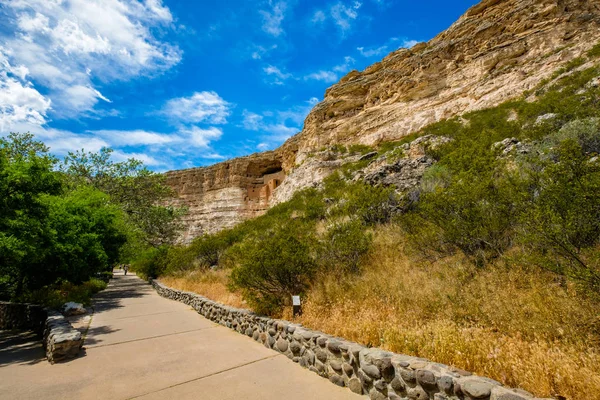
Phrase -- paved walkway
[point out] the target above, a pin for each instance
(142, 346)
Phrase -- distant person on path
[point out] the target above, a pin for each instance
(126, 268)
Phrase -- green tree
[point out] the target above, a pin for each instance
(139, 192)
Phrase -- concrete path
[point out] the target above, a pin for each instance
(142, 346)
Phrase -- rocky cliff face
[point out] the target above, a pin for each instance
(225, 194)
(495, 52)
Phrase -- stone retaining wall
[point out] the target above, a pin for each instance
(367, 371)
(60, 340)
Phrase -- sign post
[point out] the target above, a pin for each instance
(296, 306)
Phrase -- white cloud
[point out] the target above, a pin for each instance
(318, 17)
(279, 76)
(330, 76)
(325, 76)
(66, 47)
(372, 51)
(342, 15)
(273, 17)
(138, 137)
(205, 107)
(258, 52)
(202, 137)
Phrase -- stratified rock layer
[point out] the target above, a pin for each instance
(225, 194)
(495, 52)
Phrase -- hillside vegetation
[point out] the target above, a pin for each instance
(491, 264)
(65, 224)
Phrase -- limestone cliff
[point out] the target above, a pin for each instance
(225, 194)
(495, 52)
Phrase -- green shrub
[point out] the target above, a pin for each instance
(344, 247)
(594, 51)
(152, 263)
(372, 205)
(54, 296)
(274, 268)
(562, 221)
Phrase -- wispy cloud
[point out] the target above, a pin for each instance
(278, 77)
(274, 127)
(332, 75)
(273, 17)
(342, 14)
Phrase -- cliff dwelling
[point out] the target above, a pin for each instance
(259, 193)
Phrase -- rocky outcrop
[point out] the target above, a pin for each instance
(497, 50)
(366, 371)
(61, 340)
(403, 167)
(225, 194)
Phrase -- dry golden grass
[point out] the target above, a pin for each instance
(519, 326)
(211, 284)
(522, 327)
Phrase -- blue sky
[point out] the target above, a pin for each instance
(180, 84)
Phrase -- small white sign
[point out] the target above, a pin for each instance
(296, 300)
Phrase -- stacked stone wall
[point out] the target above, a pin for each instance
(367, 371)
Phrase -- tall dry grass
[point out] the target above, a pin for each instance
(520, 326)
(211, 284)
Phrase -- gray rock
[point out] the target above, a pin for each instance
(348, 370)
(376, 395)
(364, 378)
(321, 355)
(320, 366)
(408, 375)
(512, 396)
(337, 380)
(336, 365)
(380, 385)
(417, 393)
(372, 371)
(309, 356)
(387, 369)
(439, 396)
(295, 347)
(322, 341)
(355, 385)
(476, 389)
(398, 385)
(333, 346)
(445, 383)
(426, 379)
(282, 345)
(72, 308)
